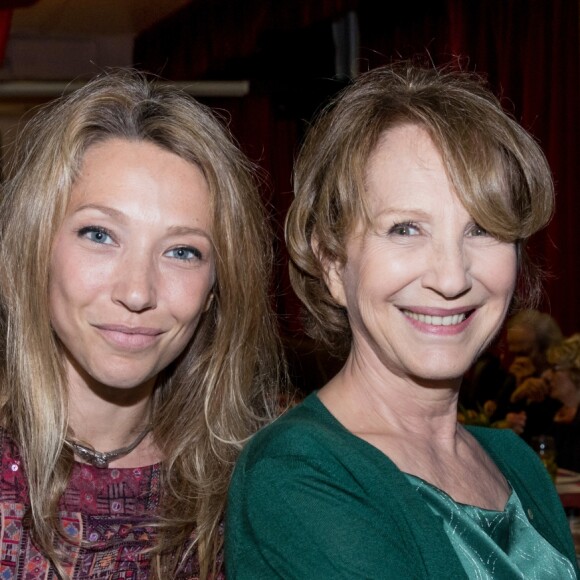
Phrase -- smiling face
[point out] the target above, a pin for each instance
(424, 286)
(132, 264)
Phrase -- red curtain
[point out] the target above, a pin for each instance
(269, 140)
(204, 38)
(5, 21)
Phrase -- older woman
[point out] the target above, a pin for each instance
(415, 195)
(137, 339)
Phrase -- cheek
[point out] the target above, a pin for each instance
(382, 275)
(189, 299)
(74, 280)
(499, 270)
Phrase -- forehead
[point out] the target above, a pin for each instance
(407, 143)
(405, 169)
(141, 179)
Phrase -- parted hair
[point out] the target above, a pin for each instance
(497, 170)
(210, 400)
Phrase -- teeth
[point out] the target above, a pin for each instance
(436, 320)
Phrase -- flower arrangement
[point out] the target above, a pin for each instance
(482, 416)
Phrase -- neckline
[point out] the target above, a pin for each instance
(460, 504)
(330, 418)
(108, 470)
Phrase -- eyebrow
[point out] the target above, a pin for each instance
(415, 211)
(120, 216)
(185, 230)
(114, 213)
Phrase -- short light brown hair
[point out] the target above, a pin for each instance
(498, 172)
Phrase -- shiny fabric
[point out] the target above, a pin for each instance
(495, 544)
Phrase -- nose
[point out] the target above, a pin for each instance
(135, 284)
(448, 269)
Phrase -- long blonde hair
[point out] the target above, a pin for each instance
(216, 394)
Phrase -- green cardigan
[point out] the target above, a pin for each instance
(310, 500)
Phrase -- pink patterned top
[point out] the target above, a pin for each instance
(107, 507)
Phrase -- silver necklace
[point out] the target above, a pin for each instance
(102, 459)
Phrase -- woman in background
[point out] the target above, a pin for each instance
(415, 195)
(137, 338)
(563, 384)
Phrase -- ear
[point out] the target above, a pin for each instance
(332, 272)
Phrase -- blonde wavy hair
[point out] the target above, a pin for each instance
(209, 401)
(497, 170)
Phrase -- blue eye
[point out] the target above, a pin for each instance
(96, 234)
(404, 229)
(185, 253)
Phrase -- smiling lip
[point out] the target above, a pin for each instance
(128, 337)
(437, 321)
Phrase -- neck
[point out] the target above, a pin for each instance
(103, 459)
(107, 427)
(105, 417)
(400, 405)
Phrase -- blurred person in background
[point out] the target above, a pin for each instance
(563, 385)
(529, 335)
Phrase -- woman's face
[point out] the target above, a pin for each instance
(132, 264)
(425, 287)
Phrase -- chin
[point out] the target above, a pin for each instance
(442, 368)
(122, 381)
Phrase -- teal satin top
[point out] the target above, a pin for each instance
(495, 544)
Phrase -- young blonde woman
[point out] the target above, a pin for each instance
(137, 340)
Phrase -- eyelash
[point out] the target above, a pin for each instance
(398, 226)
(94, 230)
(478, 228)
(196, 254)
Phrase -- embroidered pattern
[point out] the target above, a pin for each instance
(107, 508)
